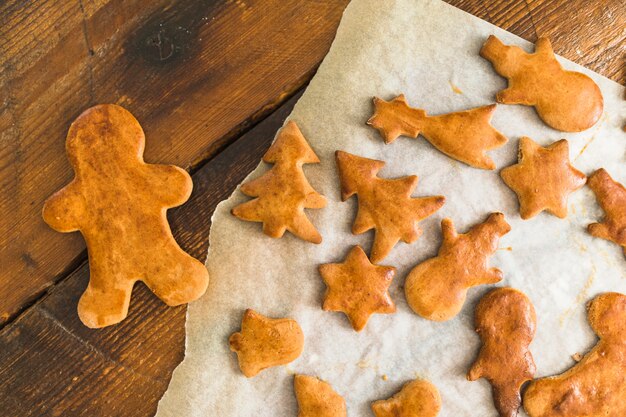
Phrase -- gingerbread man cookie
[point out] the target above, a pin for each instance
(464, 136)
(565, 100)
(384, 205)
(264, 342)
(611, 196)
(543, 178)
(118, 203)
(317, 398)
(417, 398)
(358, 288)
(506, 323)
(436, 288)
(595, 386)
(283, 192)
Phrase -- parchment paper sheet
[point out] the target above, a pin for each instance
(423, 49)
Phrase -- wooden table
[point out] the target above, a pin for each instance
(211, 82)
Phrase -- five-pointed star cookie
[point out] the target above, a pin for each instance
(543, 178)
(358, 288)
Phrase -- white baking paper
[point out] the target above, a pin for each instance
(429, 51)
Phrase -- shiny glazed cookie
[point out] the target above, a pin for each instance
(119, 204)
(384, 205)
(543, 178)
(464, 136)
(358, 288)
(565, 100)
(265, 342)
(611, 196)
(506, 322)
(283, 192)
(595, 386)
(436, 288)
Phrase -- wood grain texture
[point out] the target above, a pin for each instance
(51, 364)
(194, 93)
(194, 73)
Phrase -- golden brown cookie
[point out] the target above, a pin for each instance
(595, 386)
(543, 178)
(465, 136)
(417, 398)
(436, 288)
(506, 322)
(384, 205)
(611, 196)
(118, 203)
(317, 398)
(283, 192)
(358, 288)
(565, 100)
(264, 342)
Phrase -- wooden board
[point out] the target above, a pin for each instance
(194, 73)
(49, 363)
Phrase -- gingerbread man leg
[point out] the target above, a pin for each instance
(179, 280)
(103, 303)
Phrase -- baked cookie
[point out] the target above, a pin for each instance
(384, 205)
(565, 100)
(543, 178)
(283, 192)
(465, 136)
(436, 288)
(595, 386)
(506, 322)
(317, 398)
(358, 288)
(119, 203)
(417, 398)
(611, 196)
(265, 342)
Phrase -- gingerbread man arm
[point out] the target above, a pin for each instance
(64, 209)
(170, 184)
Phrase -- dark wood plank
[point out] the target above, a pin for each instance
(51, 364)
(195, 73)
(590, 33)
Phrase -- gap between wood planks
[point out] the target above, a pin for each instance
(228, 140)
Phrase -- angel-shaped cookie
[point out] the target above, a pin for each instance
(118, 202)
(565, 100)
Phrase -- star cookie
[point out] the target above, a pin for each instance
(357, 288)
(543, 178)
